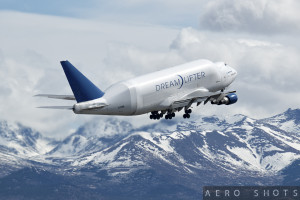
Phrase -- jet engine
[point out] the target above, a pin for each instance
(227, 100)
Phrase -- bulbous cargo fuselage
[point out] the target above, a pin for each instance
(157, 91)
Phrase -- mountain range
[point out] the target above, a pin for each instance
(111, 159)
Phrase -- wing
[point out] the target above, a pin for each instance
(195, 96)
(54, 96)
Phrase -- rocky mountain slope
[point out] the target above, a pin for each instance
(111, 159)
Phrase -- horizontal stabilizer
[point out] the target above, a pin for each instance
(58, 107)
(54, 96)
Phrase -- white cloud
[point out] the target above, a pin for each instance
(267, 82)
(255, 16)
(32, 46)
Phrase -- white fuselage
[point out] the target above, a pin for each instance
(155, 91)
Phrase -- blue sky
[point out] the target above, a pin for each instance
(115, 40)
(169, 13)
(60, 8)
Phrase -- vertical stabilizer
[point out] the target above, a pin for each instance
(83, 89)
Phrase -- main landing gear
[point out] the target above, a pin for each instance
(156, 115)
(187, 113)
(170, 116)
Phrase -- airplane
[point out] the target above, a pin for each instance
(161, 93)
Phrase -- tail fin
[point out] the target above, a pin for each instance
(83, 89)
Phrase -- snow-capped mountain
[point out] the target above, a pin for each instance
(110, 157)
(19, 144)
(288, 121)
(242, 144)
(93, 136)
(19, 140)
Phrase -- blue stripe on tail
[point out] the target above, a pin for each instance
(83, 89)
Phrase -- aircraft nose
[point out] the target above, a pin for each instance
(234, 73)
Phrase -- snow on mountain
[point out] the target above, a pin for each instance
(204, 123)
(238, 143)
(288, 121)
(18, 144)
(109, 158)
(23, 141)
(264, 146)
(95, 135)
(231, 144)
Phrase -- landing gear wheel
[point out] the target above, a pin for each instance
(151, 116)
(173, 115)
(186, 116)
(168, 116)
(154, 112)
(188, 111)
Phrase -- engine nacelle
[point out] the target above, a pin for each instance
(227, 100)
